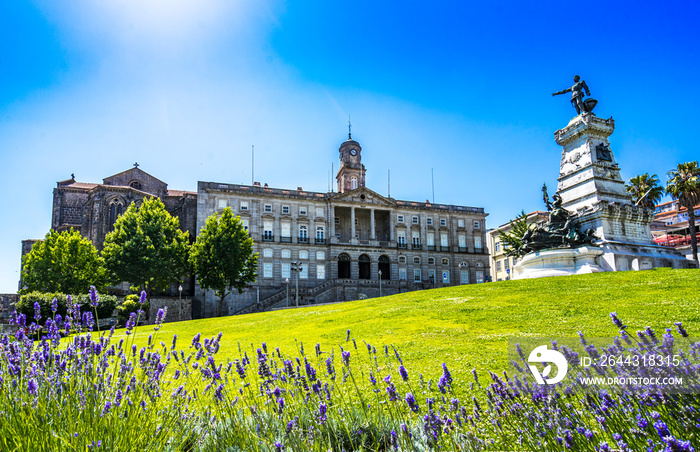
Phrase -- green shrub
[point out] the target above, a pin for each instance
(128, 305)
(25, 305)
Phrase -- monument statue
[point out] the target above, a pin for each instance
(560, 231)
(577, 101)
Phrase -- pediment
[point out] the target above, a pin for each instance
(363, 195)
(138, 179)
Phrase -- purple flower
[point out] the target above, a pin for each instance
(411, 402)
(37, 311)
(322, 413)
(346, 358)
(54, 305)
(106, 409)
(278, 446)
(403, 373)
(618, 323)
(641, 422)
(31, 386)
(347, 338)
(94, 299)
(681, 330)
(130, 323)
(662, 429)
(160, 316)
(142, 297)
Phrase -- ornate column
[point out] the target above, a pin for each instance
(372, 234)
(331, 221)
(391, 225)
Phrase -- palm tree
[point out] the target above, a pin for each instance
(645, 190)
(684, 185)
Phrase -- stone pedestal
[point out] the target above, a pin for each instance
(558, 262)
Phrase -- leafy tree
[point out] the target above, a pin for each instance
(512, 241)
(222, 256)
(684, 185)
(146, 247)
(645, 190)
(63, 262)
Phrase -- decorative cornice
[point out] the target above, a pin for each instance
(584, 124)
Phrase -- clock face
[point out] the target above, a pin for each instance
(353, 152)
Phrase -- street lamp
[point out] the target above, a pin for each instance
(380, 283)
(287, 281)
(297, 268)
(179, 288)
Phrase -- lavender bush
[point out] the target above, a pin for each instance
(69, 388)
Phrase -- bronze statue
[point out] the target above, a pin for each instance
(561, 231)
(577, 101)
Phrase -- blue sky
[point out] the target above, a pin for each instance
(187, 87)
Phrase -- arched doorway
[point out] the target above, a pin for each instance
(343, 266)
(364, 264)
(385, 267)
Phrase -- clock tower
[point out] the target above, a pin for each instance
(351, 174)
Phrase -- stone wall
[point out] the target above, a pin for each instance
(7, 302)
(178, 310)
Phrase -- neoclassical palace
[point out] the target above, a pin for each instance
(348, 244)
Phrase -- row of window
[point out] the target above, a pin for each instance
(302, 254)
(429, 221)
(244, 206)
(430, 239)
(287, 271)
(506, 264)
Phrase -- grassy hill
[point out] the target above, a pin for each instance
(466, 326)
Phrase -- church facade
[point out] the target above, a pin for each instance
(345, 245)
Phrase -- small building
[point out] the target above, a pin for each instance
(671, 227)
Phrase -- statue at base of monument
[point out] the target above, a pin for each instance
(577, 101)
(560, 231)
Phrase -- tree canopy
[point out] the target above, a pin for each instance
(222, 256)
(63, 262)
(512, 241)
(645, 190)
(146, 247)
(684, 185)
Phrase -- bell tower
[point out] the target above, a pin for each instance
(351, 174)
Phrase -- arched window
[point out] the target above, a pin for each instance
(115, 210)
(135, 184)
(303, 233)
(384, 267)
(320, 233)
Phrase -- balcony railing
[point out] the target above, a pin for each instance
(444, 248)
(320, 241)
(401, 246)
(268, 238)
(416, 246)
(284, 239)
(462, 249)
(431, 247)
(303, 240)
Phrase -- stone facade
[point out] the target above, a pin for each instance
(7, 303)
(344, 239)
(92, 209)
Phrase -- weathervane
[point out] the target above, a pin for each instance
(349, 129)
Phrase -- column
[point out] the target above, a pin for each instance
(391, 225)
(331, 221)
(352, 223)
(372, 234)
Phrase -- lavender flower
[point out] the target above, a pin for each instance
(411, 402)
(142, 297)
(346, 358)
(94, 299)
(54, 305)
(681, 330)
(403, 373)
(37, 311)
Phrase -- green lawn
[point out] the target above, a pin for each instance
(466, 326)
